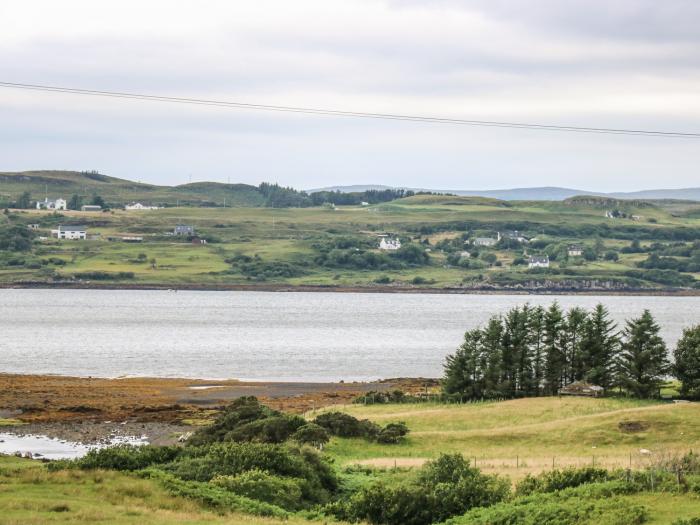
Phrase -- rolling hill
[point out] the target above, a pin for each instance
(545, 193)
(119, 191)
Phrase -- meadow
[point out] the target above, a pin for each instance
(291, 245)
(522, 436)
(570, 429)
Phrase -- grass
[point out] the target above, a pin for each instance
(29, 494)
(527, 435)
(665, 508)
(289, 235)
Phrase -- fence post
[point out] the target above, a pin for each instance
(552, 461)
(651, 475)
(517, 461)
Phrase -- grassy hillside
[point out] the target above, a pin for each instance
(31, 495)
(325, 246)
(116, 191)
(526, 435)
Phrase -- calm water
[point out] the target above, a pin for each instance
(265, 336)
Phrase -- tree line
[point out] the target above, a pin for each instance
(535, 351)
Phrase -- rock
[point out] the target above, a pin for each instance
(644, 451)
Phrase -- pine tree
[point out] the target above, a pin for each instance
(75, 202)
(599, 347)
(554, 350)
(462, 374)
(575, 323)
(492, 352)
(536, 322)
(643, 361)
(687, 362)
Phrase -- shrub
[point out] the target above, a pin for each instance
(263, 486)
(247, 420)
(344, 425)
(214, 496)
(445, 487)
(392, 433)
(121, 457)
(231, 459)
(311, 434)
(554, 480)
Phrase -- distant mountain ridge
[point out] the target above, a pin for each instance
(550, 193)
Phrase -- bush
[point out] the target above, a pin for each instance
(104, 276)
(443, 488)
(205, 463)
(311, 434)
(247, 420)
(121, 457)
(392, 433)
(554, 480)
(344, 425)
(214, 496)
(263, 486)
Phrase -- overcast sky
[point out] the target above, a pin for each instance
(611, 63)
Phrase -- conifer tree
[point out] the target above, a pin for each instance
(599, 347)
(687, 362)
(643, 361)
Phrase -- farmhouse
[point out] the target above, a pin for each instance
(538, 261)
(65, 231)
(184, 229)
(513, 235)
(139, 206)
(46, 204)
(485, 241)
(90, 207)
(387, 243)
(575, 250)
(33, 226)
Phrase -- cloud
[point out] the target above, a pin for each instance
(622, 64)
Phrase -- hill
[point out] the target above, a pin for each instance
(552, 193)
(121, 191)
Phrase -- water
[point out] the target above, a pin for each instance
(50, 448)
(266, 336)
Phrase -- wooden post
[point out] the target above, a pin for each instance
(517, 461)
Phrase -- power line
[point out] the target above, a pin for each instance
(353, 114)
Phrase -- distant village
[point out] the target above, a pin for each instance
(387, 242)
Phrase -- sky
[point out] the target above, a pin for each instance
(619, 63)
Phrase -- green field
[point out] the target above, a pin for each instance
(31, 495)
(523, 436)
(288, 245)
(489, 433)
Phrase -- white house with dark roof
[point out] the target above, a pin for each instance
(575, 250)
(538, 261)
(388, 243)
(70, 232)
(46, 204)
(184, 229)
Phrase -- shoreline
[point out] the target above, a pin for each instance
(48, 398)
(280, 288)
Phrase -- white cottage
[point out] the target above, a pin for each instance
(387, 243)
(70, 232)
(538, 261)
(46, 204)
